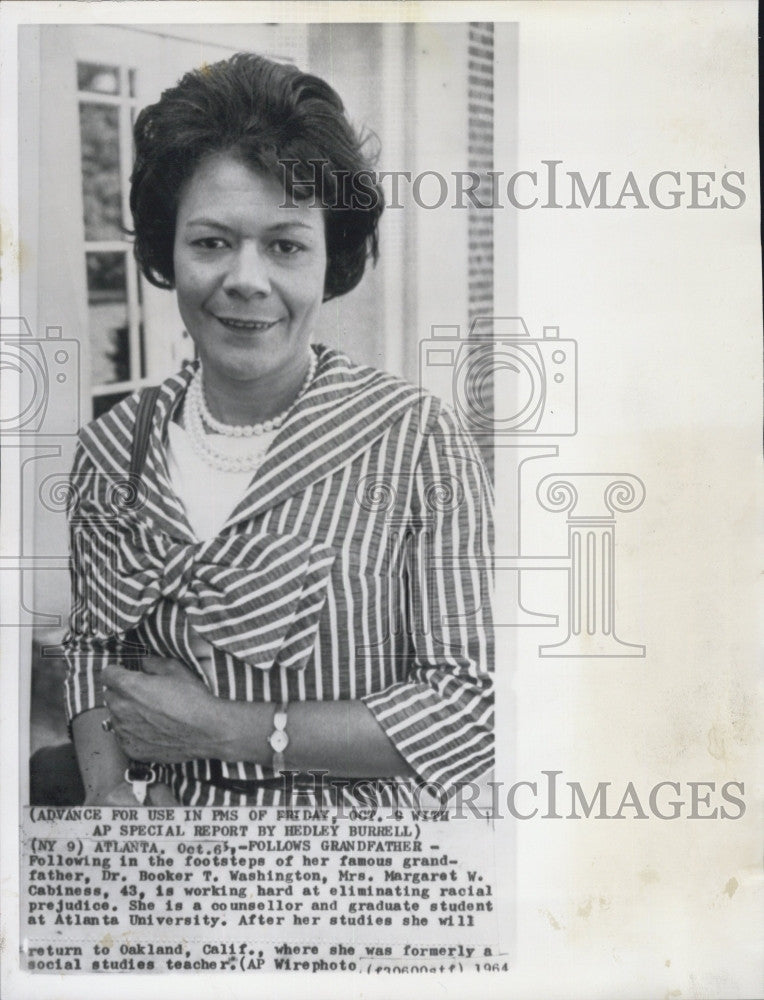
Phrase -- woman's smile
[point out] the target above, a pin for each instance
(249, 275)
(246, 324)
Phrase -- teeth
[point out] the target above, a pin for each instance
(245, 325)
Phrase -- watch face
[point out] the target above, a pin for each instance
(279, 741)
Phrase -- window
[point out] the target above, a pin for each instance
(107, 107)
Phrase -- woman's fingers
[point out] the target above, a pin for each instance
(162, 665)
(165, 715)
(115, 676)
(163, 684)
(117, 679)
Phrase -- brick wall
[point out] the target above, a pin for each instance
(480, 161)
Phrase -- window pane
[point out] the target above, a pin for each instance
(98, 78)
(99, 136)
(108, 322)
(131, 81)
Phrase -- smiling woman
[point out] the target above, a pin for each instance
(301, 581)
(249, 276)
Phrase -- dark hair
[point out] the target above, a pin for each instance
(274, 118)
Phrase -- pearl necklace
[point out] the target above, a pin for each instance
(195, 419)
(249, 430)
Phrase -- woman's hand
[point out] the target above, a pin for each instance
(163, 713)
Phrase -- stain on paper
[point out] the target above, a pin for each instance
(552, 920)
(731, 887)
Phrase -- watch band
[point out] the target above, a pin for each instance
(278, 739)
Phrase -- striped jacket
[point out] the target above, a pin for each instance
(357, 566)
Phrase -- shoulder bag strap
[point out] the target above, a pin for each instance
(142, 430)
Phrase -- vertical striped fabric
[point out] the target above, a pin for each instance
(367, 468)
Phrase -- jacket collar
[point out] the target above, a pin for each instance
(344, 410)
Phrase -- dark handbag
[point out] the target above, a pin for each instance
(54, 776)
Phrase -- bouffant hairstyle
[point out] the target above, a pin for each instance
(276, 119)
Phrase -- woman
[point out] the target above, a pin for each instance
(304, 585)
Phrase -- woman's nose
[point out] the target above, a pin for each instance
(247, 274)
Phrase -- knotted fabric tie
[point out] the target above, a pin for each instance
(257, 597)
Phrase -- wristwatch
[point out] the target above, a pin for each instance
(278, 739)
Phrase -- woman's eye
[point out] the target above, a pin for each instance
(286, 248)
(210, 243)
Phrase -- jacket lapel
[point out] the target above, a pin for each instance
(345, 409)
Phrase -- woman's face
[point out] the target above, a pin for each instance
(249, 273)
